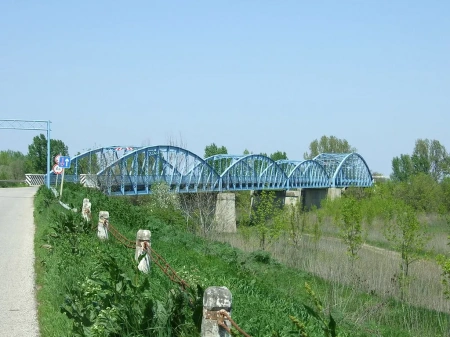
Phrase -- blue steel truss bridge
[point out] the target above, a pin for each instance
(121, 170)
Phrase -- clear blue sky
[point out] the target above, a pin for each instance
(256, 75)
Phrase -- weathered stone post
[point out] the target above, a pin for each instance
(225, 215)
(102, 227)
(143, 243)
(86, 210)
(215, 299)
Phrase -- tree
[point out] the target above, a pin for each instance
(13, 166)
(327, 144)
(265, 216)
(420, 157)
(405, 232)
(37, 152)
(199, 211)
(350, 223)
(421, 192)
(429, 157)
(444, 262)
(219, 165)
(445, 192)
(278, 155)
(213, 149)
(296, 222)
(402, 168)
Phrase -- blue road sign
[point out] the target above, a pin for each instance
(64, 162)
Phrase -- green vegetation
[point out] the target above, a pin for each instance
(328, 144)
(429, 157)
(350, 223)
(92, 288)
(14, 165)
(286, 267)
(37, 152)
(213, 149)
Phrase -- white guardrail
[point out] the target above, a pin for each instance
(88, 180)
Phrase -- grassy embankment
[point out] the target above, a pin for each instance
(98, 285)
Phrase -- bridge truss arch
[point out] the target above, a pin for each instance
(305, 174)
(346, 169)
(252, 172)
(92, 161)
(124, 170)
(136, 172)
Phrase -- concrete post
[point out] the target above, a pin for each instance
(102, 227)
(215, 299)
(86, 210)
(143, 243)
(225, 215)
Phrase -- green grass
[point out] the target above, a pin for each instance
(265, 291)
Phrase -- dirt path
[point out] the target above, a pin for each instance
(17, 296)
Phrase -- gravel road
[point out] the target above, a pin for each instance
(17, 284)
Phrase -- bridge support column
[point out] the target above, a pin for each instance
(334, 193)
(225, 215)
(314, 196)
(292, 197)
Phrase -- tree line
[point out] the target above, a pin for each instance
(428, 160)
(14, 164)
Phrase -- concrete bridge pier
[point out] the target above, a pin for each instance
(313, 197)
(292, 197)
(225, 214)
(334, 193)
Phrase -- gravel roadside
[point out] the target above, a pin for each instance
(18, 313)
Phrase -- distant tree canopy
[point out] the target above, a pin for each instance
(219, 165)
(13, 166)
(278, 155)
(327, 144)
(429, 157)
(37, 152)
(213, 149)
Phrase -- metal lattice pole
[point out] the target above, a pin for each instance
(21, 124)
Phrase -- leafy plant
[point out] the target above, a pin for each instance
(266, 219)
(350, 223)
(408, 238)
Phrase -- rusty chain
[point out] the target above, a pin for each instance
(154, 256)
(220, 315)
